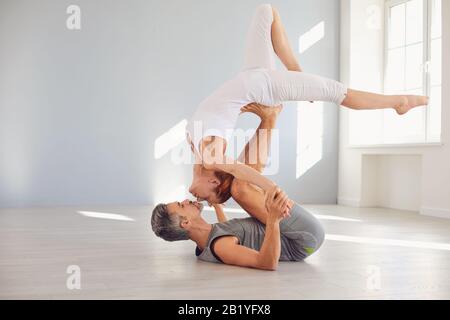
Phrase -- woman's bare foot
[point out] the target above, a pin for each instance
(262, 111)
(406, 103)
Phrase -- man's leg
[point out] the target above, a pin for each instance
(256, 151)
(248, 196)
(251, 199)
(304, 232)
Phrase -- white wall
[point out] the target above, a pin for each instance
(80, 110)
(434, 198)
(391, 181)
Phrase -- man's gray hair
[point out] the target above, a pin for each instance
(167, 226)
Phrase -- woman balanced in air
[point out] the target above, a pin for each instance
(259, 83)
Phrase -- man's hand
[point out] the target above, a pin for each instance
(264, 112)
(277, 203)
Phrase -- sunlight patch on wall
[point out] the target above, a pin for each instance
(311, 37)
(170, 139)
(178, 193)
(310, 132)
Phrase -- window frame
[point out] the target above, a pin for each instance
(427, 39)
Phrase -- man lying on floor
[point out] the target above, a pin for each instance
(272, 233)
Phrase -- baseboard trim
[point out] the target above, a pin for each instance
(433, 212)
(349, 202)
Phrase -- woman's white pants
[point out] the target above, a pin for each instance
(283, 85)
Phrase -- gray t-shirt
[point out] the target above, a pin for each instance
(301, 235)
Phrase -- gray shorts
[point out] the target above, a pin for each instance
(301, 233)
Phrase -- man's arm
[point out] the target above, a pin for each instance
(256, 151)
(267, 258)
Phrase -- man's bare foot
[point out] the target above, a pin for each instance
(262, 111)
(406, 103)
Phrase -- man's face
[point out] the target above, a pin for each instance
(187, 209)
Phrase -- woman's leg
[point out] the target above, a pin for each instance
(361, 100)
(281, 44)
(267, 37)
(259, 52)
(300, 86)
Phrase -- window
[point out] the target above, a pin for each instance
(413, 64)
(404, 57)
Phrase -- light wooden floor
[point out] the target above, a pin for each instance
(124, 260)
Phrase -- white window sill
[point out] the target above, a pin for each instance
(398, 145)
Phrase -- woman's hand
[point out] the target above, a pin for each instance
(264, 112)
(217, 206)
(221, 216)
(276, 203)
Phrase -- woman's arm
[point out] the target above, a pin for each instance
(242, 172)
(221, 216)
(245, 173)
(214, 159)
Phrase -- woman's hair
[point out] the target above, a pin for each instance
(223, 190)
(167, 226)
